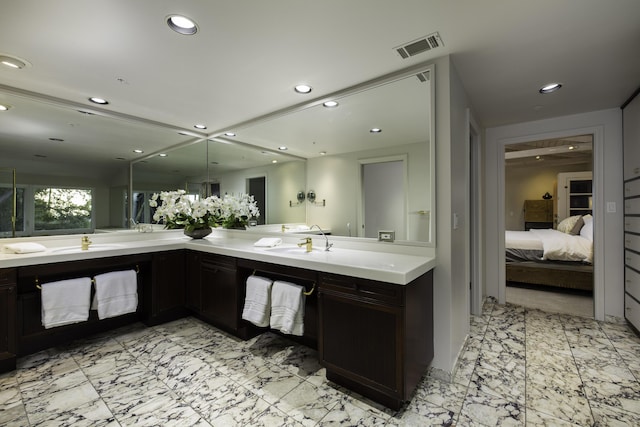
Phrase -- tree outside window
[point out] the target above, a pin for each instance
(62, 208)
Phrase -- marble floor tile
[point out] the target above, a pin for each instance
(519, 367)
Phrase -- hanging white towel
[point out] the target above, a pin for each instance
(257, 302)
(287, 307)
(65, 302)
(116, 293)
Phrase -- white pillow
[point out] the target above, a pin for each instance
(567, 224)
(587, 230)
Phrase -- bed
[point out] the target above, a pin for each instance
(561, 258)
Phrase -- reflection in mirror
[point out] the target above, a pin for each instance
(338, 143)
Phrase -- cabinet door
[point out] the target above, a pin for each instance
(168, 290)
(362, 341)
(631, 131)
(193, 279)
(7, 322)
(219, 290)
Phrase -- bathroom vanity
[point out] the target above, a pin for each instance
(369, 314)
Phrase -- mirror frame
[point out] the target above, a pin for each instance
(426, 69)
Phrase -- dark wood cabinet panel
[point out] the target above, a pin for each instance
(193, 276)
(219, 290)
(376, 338)
(166, 296)
(8, 303)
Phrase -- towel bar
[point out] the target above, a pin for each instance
(93, 281)
(306, 293)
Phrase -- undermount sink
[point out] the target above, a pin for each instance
(293, 250)
(92, 248)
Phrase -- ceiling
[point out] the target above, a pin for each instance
(248, 55)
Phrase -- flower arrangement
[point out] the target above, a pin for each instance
(180, 210)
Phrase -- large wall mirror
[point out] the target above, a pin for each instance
(364, 181)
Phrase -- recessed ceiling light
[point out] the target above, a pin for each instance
(330, 104)
(282, 148)
(572, 147)
(274, 161)
(4, 107)
(303, 88)
(138, 151)
(323, 153)
(551, 87)
(97, 100)
(56, 139)
(229, 134)
(200, 126)
(182, 25)
(375, 130)
(13, 62)
(163, 155)
(538, 158)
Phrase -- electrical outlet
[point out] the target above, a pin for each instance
(386, 236)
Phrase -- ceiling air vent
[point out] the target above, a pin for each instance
(423, 44)
(424, 76)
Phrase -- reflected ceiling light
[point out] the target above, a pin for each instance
(323, 153)
(4, 107)
(229, 134)
(551, 87)
(138, 151)
(97, 100)
(375, 130)
(13, 62)
(303, 88)
(572, 147)
(200, 126)
(162, 155)
(182, 25)
(282, 148)
(538, 158)
(274, 161)
(330, 104)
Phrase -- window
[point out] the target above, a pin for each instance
(46, 210)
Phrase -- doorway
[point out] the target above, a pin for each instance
(540, 202)
(257, 187)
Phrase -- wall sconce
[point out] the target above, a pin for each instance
(300, 196)
(311, 197)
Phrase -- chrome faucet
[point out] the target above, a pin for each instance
(327, 245)
(84, 243)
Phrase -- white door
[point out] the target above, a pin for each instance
(384, 203)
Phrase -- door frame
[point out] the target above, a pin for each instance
(598, 208)
(475, 235)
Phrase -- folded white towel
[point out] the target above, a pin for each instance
(257, 302)
(65, 302)
(24, 248)
(268, 242)
(116, 293)
(287, 307)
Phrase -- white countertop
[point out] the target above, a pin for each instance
(397, 268)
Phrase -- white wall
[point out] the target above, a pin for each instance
(607, 129)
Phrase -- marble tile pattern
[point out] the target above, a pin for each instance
(520, 367)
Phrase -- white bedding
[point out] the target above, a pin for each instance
(556, 245)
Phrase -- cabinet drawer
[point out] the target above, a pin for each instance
(632, 188)
(632, 206)
(632, 260)
(8, 276)
(362, 288)
(632, 224)
(632, 311)
(219, 261)
(632, 283)
(632, 241)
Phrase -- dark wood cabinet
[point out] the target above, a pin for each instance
(538, 214)
(8, 278)
(220, 303)
(193, 276)
(31, 336)
(166, 296)
(376, 338)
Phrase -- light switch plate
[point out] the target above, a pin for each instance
(386, 236)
